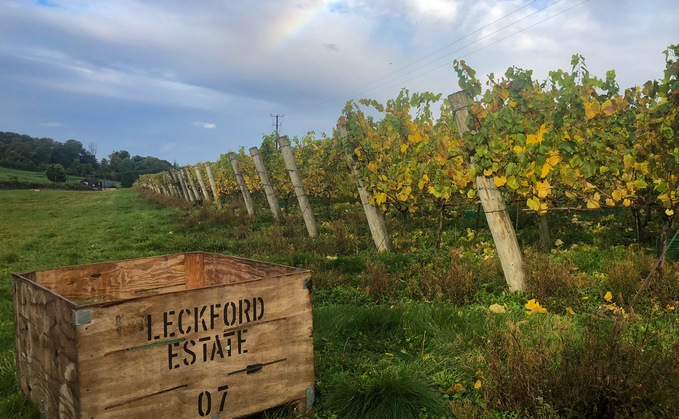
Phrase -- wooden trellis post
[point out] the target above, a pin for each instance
(213, 184)
(175, 187)
(191, 185)
(172, 188)
(493, 204)
(266, 183)
(180, 179)
(242, 185)
(302, 199)
(378, 228)
(201, 182)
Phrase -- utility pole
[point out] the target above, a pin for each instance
(278, 122)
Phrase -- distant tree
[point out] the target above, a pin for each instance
(127, 173)
(56, 173)
(65, 154)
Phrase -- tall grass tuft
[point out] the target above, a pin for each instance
(637, 274)
(393, 393)
(554, 283)
(611, 368)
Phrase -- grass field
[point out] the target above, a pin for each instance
(23, 179)
(414, 333)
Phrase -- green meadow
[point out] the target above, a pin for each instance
(412, 333)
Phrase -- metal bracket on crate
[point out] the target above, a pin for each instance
(82, 317)
(307, 283)
(310, 397)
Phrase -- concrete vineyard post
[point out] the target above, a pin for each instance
(201, 182)
(304, 205)
(241, 184)
(493, 204)
(266, 183)
(213, 184)
(378, 228)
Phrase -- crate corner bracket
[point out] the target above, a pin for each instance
(82, 317)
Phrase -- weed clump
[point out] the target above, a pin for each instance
(554, 283)
(611, 368)
(454, 281)
(639, 274)
(393, 393)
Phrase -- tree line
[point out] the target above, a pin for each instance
(20, 151)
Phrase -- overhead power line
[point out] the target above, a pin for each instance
(390, 83)
(450, 44)
(490, 44)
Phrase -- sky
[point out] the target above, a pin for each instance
(187, 81)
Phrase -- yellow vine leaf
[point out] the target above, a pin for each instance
(518, 149)
(669, 212)
(616, 195)
(610, 202)
(534, 306)
(477, 384)
(536, 138)
(626, 203)
(545, 170)
(500, 181)
(513, 182)
(404, 194)
(372, 166)
(404, 148)
(487, 172)
(608, 108)
(423, 181)
(543, 189)
(432, 190)
(357, 151)
(553, 160)
(593, 202)
(533, 203)
(592, 109)
(478, 111)
(380, 198)
(531, 139)
(415, 138)
(608, 296)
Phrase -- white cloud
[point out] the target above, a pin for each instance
(433, 10)
(206, 125)
(234, 64)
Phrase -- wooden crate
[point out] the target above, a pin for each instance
(183, 336)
